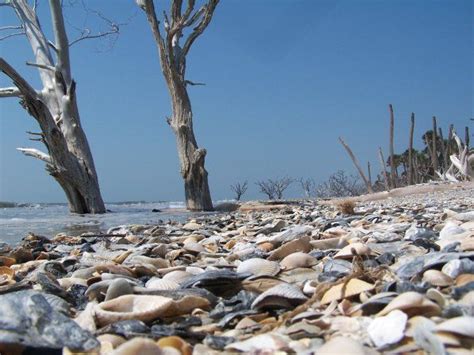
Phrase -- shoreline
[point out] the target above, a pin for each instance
(292, 277)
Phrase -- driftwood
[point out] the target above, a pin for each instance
(357, 165)
(393, 169)
(384, 170)
(410, 151)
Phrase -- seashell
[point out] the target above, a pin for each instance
(122, 257)
(259, 267)
(194, 247)
(138, 345)
(464, 279)
(310, 287)
(246, 323)
(114, 269)
(7, 272)
(341, 345)
(7, 261)
(161, 284)
(298, 245)
(265, 246)
(194, 270)
(389, 329)
(117, 288)
(175, 342)
(460, 325)
(145, 308)
(267, 343)
(351, 250)
(67, 282)
(259, 285)
(292, 233)
(412, 303)
(435, 295)
(156, 262)
(296, 260)
(437, 278)
(113, 339)
(192, 226)
(352, 288)
(177, 276)
(280, 296)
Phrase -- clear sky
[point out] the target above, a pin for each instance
(284, 79)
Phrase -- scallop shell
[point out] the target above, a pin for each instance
(177, 276)
(352, 288)
(280, 296)
(296, 260)
(412, 303)
(145, 308)
(161, 284)
(437, 278)
(460, 325)
(259, 267)
(351, 250)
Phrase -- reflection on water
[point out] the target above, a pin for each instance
(48, 220)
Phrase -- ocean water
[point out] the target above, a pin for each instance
(50, 219)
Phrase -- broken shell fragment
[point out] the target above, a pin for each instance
(412, 303)
(340, 291)
(389, 329)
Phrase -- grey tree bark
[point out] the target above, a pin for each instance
(69, 159)
(173, 65)
(434, 149)
(384, 170)
(410, 150)
(357, 165)
(393, 170)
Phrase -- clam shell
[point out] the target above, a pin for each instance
(259, 267)
(460, 325)
(352, 288)
(302, 245)
(351, 250)
(437, 278)
(161, 284)
(145, 308)
(280, 296)
(296, 260)
(412, 303)
(177, 276)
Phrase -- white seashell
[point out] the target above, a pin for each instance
(351, 250)
(177, 276)
(296, 260)
(259, 267)
(161, 284)
(265, 342)
(450, 229)
(389, 329)
(459, 325)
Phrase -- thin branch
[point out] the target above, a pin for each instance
(35, 153)
(17, 79)
(356, 163)
(10, 92)
(87, 35)
(14, 34)
(41, 66)
(5, 28)
(192, 83)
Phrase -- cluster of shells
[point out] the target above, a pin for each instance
(304, 278)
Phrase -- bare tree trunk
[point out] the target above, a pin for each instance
(173, 64)
(434, 151)
(466, 137)
(369, 173)
(410, 150)
(393, 173)
(384, 169)
(444, 156)
(69, 159)
(356, 163)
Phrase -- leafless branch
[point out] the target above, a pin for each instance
(10, 92)
(14, 34)
(41, 66)
(192, 83)
(22, 85)
(6, 28)
(274, 188)
(239, 189)
(35, 153)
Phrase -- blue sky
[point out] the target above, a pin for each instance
(284, 79)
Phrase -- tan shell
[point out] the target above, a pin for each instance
(352, 288)
(142, 346)
(459, 325)
(260, 284)
(296, 260)
(351, 250)
(437, 278)
(302, 244)
(161, 284)
(464, 279)
(266, 246)
(259, 267)
(412, 303)
(114, 340)
(177, 276)
(145, 308)
(156, 262)
(5, 270)
(177, 343)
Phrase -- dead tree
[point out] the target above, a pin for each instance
(239, 189)
(356, 163)
(173, 65)
(54, 107)
(308, 186)
(410, 150)
(384, 170)
(369, 173)
(274, 188)
(434, 149)
(393, 173)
